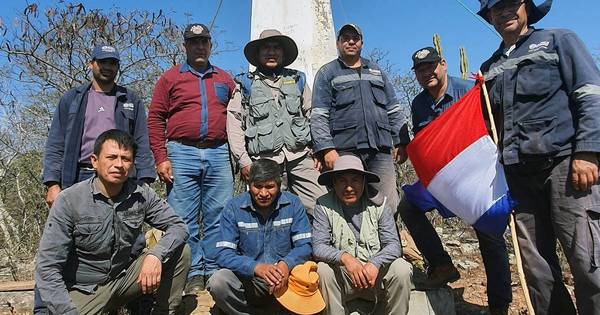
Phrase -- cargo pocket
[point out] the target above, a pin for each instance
(259, 108)
(594, 241)
(344, 93)
(534, 81)
(301, 131)
(87, 234)
(384, 132)
(379, 93)
(344, 134)
(534, 137)
(260, 139)
(222, 92)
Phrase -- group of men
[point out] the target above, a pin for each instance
(333, 151)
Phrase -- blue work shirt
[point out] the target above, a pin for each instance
(247, 239)
(545, 96)
(425, 109)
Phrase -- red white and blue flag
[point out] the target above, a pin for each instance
(458, 168)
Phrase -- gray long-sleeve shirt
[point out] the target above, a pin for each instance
(323, 249)
(88, 239)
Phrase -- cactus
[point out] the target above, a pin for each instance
(464, 63)
(437, 44)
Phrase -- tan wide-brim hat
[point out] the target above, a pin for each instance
(290, 50)
(345, 163)
(302, 295)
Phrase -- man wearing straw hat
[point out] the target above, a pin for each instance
(356, 241)
(268, 116)
(544, 90)
(440, 91)
(264, 233)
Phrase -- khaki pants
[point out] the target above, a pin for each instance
(301, 180)
(118, 292)
(390, 295)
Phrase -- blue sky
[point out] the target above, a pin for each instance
(396, 26)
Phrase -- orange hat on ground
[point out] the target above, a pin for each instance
(302, 295)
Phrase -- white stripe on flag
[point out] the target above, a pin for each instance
(227, 244)
(301, 236)
(472, 182)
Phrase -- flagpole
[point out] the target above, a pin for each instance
(513, 231)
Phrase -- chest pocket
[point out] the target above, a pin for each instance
(89, 234)
(250, 237)
(534, 80)
(379, 93)
(345, 93)
(282, 234)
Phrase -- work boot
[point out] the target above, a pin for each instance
(439, 276)
(195, 285)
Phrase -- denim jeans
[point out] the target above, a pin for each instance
(493, 251)
(202, 185)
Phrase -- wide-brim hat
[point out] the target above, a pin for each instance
(302, 295)
(290, 50)
(536, 12)
(344, 163)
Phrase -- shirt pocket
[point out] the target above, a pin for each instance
(345, 93)
(258, 108)
(249, 238)
(88, 234)
(534, 81)
(282, 237)
(222, 92)
(536, 137)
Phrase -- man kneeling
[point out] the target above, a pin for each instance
(85, 263)
(356, 240)
(264, 234)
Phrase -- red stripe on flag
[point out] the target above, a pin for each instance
(447, 136)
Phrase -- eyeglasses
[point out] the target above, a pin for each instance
(506, 5)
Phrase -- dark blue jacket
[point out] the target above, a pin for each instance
(246, 239)
(545, 95)
(64, 139)
(354, 111)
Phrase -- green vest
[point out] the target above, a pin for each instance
(341, 235)
(271, 124)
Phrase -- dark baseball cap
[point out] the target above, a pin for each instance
(352, 27)
(196, 30)
(425, 55)
(105, 52)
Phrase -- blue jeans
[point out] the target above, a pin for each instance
(202, 185)
(493, 251)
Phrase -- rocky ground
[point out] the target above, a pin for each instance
(459, 240)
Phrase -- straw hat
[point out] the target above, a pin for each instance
(302, 295)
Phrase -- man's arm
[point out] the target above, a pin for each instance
(581, 78)
(161, 216)
(389, 240)
(322, 247)
(301, 237)
(55, 246)
(235, 133)
(227, 245)
(321, 105)
(395, 116)
(144, 161)
(54, 151)
(157, 127)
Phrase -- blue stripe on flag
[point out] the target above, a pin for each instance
(495, 219)
(419, 196)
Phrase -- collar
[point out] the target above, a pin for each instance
(119, 91)
(129, 187)
(187, 68)
(282, 201)
(501, 49)
(364, 63)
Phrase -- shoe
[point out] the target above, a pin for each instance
(194, 285)
(503, 310)
(441, 275)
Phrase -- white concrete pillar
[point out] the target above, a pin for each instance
(308, 22)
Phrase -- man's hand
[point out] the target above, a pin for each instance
(51, 194)
(399, 154)
(584, 170)
(271, 274)
(149, 278)
(285, 271)
(355, 270)
(372, 272)
(329, 157)
(245, 173)
(317, 163)
(165, 172)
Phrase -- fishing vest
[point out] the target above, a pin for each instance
(342, 236)
(270, 123)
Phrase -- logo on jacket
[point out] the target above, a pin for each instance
(540, 45)
(128, 106)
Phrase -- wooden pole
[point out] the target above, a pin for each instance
(513, 231)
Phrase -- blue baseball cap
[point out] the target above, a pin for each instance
(536, 13)
(105, 52)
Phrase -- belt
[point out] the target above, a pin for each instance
(201, 144)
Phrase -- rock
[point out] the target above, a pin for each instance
(453, 243)
(467, 265)
(469, 248)
(438, 301)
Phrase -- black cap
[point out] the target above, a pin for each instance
(350, 26)
(196, 30)
(425, 55)
(105, 52)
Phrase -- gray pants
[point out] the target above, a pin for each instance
(390, 295)
(550, 209)
(116, 293)
(301, 179)
(235, 295)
